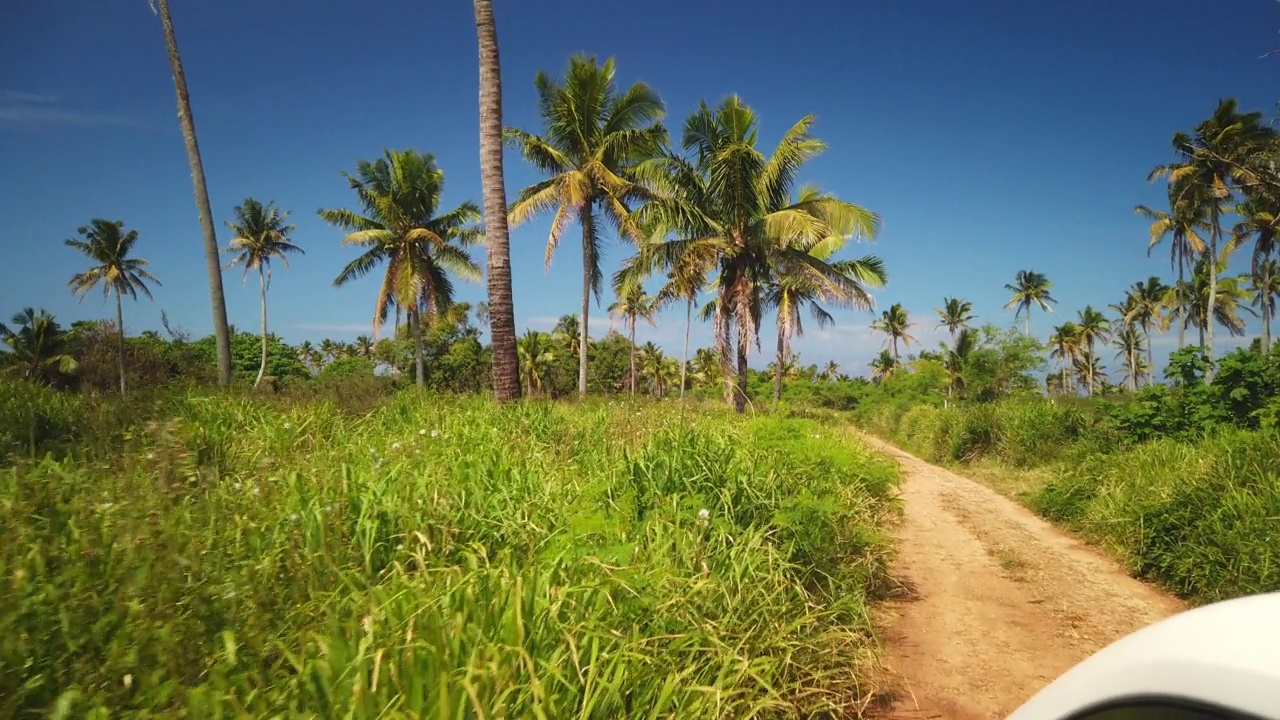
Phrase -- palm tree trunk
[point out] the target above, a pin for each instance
(631, 353)
(120, 343)
(415, 325)
(588, 262)
(221, 331)
(893, 340)
(1266, 329)
(1151, 363)
(740, 396)
(502, 316)
(1213, 292)
(1182, 309)
(777, 376)
(1063, 386)
(1028, 321)
(262, 369)
(684, 356)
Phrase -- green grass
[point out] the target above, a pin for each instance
(441, 558)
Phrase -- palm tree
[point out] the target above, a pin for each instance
(1265, 287)
(956, 359)
(1208, 165)
(1029, 289)
(399, 194)
(221, 331)
(896, 325)
(883, 366)
(1065, 345)
(537, 353)
(731, 198)
(565, 335)
(364, 346)
(502, 317)
(704, 369)
(37, 345)
(794, 286)
(1186, 227)
(955, 314)
(1129, 342)
(1145, 303)
(652, 364)
(632, 305)
(260, 233)
(306, 353)
(107, 245)
(1262, 223)
(1089, 370)
(831, 372)
(685, 281)
(593, 137)
(1093, 328)
(1228, 291)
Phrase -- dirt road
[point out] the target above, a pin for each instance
(997, 602)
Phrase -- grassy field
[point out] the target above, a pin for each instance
(1198, 516)
(434, 558)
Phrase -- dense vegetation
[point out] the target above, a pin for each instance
(431, 558)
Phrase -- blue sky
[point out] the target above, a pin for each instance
(990, 136)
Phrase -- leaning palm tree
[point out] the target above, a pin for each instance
(594, 135)
(794, 287)
(37, 345)
(632, 306)
(1208, 165)
(955, 314)
(107, 245)
(260, 233)
(401, 226)
(896, 324)
(731, 198)
(499, 312)
(1093, 328)
(221, 331)
(1029, 289)
(1264, 286)
(1065, 345)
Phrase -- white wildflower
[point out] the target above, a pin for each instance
(253, 490)
(151, 456)
(423, 431)
(704, 514)
(288, 426)
(435, 433)
(395, 446)
(293, 517)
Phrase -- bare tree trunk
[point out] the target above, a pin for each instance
(684, 357)
(262, 369)
(740, 396)
(631, 353)
(221, 331)
(588, 262)
(415, 325)
(502, 318)
(1213, 292)
(777, 379)
(120, 338)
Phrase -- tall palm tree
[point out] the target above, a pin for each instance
(37, 344)
(221, 331)
(730, 197)
(685, 281)
(260, 233)
(1265, 287)
(401, 226)
(107, 245)
(594, 135)
(1093, 328)
(1145, 303)
(1065, 345)
(1261, 221)
(1129, 342)
(896, 324)
(955, 314)
(1089, 370)
(1208, 164)
(1029, 289)
(499, 311)
(1185, 225)
(537, 353)
(793, 287)
(1228, 291)
(632, 305)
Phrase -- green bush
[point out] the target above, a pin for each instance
(437, 557)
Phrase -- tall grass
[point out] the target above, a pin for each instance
(1202, 519)
(443, 558)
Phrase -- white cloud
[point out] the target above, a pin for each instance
(22, 108)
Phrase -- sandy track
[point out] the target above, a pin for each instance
(996, 602)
